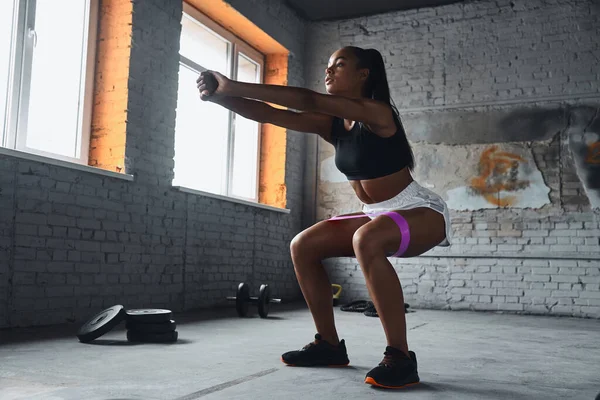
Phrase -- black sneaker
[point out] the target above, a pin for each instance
(395, 371)
(318, 353)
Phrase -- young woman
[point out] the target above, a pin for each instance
(399, 218)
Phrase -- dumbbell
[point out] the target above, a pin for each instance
(243, 299)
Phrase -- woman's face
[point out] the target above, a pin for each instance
(342, 77)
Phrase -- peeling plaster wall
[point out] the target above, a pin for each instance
(501, 102)
(585, 149)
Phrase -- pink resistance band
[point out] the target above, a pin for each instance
(397, 218)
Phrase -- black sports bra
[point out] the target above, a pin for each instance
(361, 154)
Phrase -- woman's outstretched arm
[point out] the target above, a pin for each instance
(258, 111)
(368, 111)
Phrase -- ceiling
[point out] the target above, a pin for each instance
(320, 10)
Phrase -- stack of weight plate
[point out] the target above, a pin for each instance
(143, 325)
(150, 326)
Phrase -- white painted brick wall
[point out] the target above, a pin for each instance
(490, 51)
(474, 51)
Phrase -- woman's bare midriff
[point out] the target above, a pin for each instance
(382, 189)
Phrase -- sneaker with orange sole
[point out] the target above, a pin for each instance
(318, 353)
(395, 371)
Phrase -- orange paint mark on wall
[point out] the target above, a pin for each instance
(498, 172)
(272, 188)
(109, 113)
(593, 155)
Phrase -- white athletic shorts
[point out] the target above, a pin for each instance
(413, 196)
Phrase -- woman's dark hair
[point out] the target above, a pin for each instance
(377, 87)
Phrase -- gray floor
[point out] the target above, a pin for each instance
(462, 355)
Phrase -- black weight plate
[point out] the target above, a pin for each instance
(264, 298)
(101, 323)
(242, 299)
(137, 336)
(149, 315)
(157, 327)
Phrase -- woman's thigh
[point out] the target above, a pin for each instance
(426, 229)
(329, 238)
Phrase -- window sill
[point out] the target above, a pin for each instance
(60, 163)
(232, 199)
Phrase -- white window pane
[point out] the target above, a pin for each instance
(200, 138)
(248, 70)
(203, 46)
(245, 158)
(245, 149)
(6, 14)
(58, 70)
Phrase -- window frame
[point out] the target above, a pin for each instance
(23, 38)
(237, 46)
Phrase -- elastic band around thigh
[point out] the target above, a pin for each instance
(404, 231)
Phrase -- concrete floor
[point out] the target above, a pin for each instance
(462, 355)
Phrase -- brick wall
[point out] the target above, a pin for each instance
(73, 242)
(273, 141)
(109, 115)
(475, 51)
(474, 68)
(7, 205)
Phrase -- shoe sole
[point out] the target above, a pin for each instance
(329, 366)
(371, 381)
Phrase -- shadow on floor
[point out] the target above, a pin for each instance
(69, 329)
(467, 389)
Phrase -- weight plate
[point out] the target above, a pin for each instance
(264, 298)
(149, 315)
(242, 299)
(101, 323)
(157, 327)
(137, 336)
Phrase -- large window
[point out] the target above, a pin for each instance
(216, 150)
(46, 76)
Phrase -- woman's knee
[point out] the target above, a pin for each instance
(302, 246)
(367, 244)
